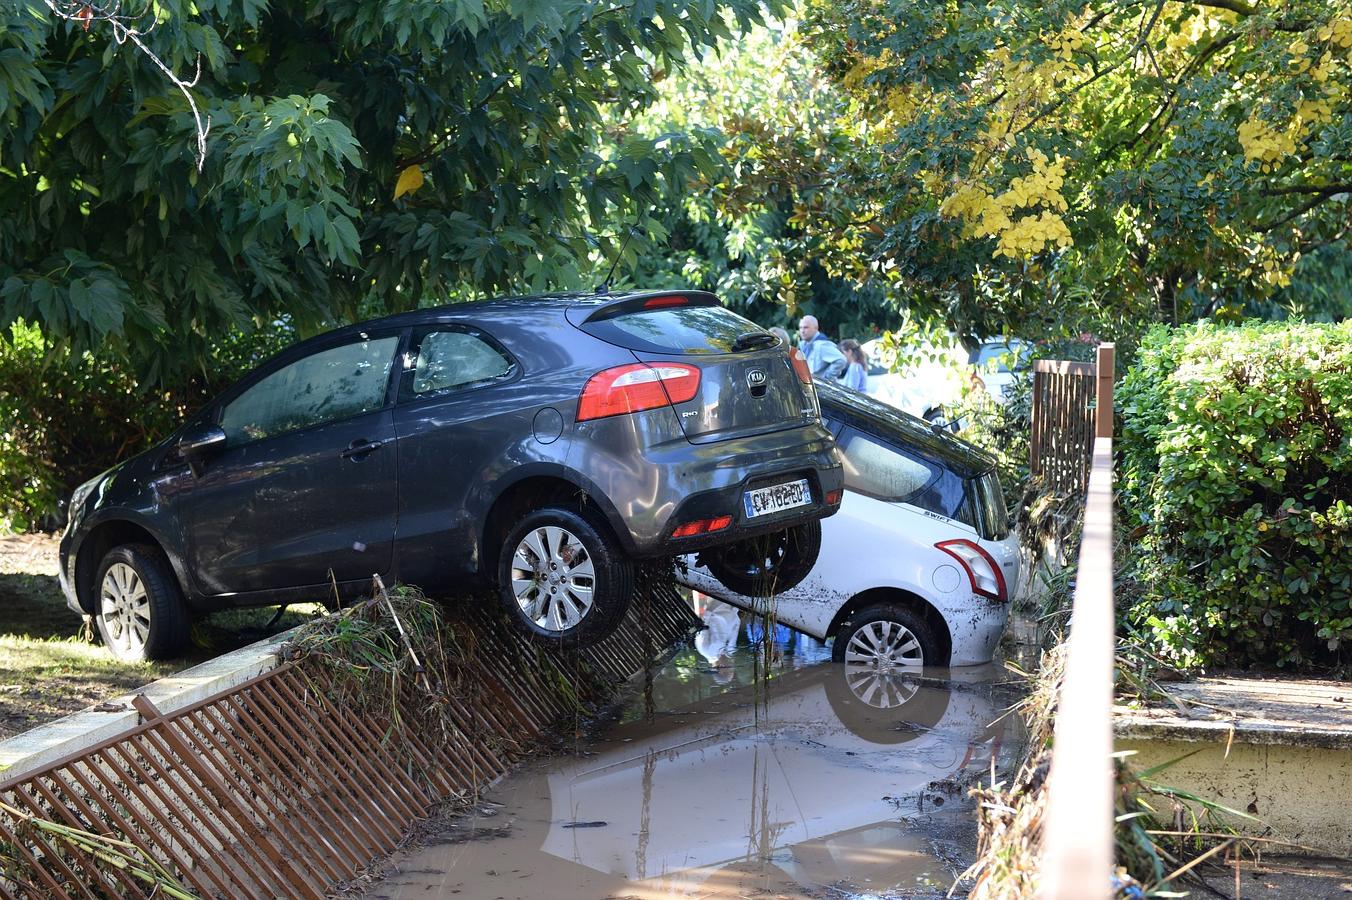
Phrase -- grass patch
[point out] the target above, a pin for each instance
(45, 678)
(49, 667)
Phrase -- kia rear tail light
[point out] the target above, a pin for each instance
(636, 387)
(800, 365)
(982, 570)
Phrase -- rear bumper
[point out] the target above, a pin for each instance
(976, 632)
(728, 501)
(655, 480)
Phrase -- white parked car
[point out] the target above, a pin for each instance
(919, 565)
(998, 362)
(929, 379)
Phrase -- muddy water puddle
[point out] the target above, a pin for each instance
(717, 781)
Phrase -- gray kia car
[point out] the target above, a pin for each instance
(537, 446)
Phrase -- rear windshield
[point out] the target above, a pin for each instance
(675, 329)
(989, 501)
(885, 472)
(1002, 355)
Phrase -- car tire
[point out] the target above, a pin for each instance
(562, 579)
(139, 607)
(887, 635)
(767, 564)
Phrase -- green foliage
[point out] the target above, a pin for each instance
(746, 234)
(507, 115)
(1067, 166)
(1237, 478)
(66, 416)
(1002, 430)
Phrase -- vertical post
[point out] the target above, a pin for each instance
(1035, 443)
(1103, 408)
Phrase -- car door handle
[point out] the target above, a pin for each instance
(360, 447)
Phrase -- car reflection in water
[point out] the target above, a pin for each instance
(817, 776)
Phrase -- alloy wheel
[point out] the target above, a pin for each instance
(124, 607)
(880, 660)
(553, 578)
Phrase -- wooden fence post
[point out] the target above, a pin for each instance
(1103, 407)
(1036, 425)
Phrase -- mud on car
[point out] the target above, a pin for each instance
(536, 446)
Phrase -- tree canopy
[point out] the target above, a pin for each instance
(788, 148)
(361, 157)
(1134, 160)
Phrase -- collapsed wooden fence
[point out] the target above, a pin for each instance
(273, 789)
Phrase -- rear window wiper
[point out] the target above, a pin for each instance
(750, 340)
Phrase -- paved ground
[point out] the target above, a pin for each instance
(1306, 712)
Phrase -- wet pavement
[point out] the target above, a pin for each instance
(715, 780)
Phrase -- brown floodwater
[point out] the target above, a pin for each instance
(716, 781)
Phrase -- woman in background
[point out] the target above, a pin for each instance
(856, 374)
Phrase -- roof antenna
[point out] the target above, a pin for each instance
(604, 286)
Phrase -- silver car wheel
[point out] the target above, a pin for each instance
(553, 578)
(885, 645)
(124, 607)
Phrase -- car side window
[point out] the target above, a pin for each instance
(445, 360)
(881, 471)
(332, 384)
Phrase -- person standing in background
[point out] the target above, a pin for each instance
(823, 357)
(779, 333)
(856, 371)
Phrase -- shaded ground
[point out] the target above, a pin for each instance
(714, 781)
(48, 669)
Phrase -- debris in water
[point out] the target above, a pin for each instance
(586, 825)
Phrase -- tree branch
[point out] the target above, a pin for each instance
(1323, 190)
(1131, 54)
(1294, 214)
(1236, 6)
(124, 29)
(1320, 194)
(1167, 106)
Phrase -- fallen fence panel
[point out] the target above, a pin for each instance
(275, 788)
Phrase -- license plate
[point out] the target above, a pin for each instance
(776, 497)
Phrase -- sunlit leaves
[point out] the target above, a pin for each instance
(1205, 144)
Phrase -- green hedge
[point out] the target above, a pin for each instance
(66, 417)
(1236, 488)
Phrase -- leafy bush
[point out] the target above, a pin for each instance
(65, 417)
(1237, 481)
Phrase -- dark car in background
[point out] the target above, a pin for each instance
(540, 446)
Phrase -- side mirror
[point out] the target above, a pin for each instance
(200, 441)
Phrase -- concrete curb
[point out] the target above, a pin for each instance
(36, 748)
